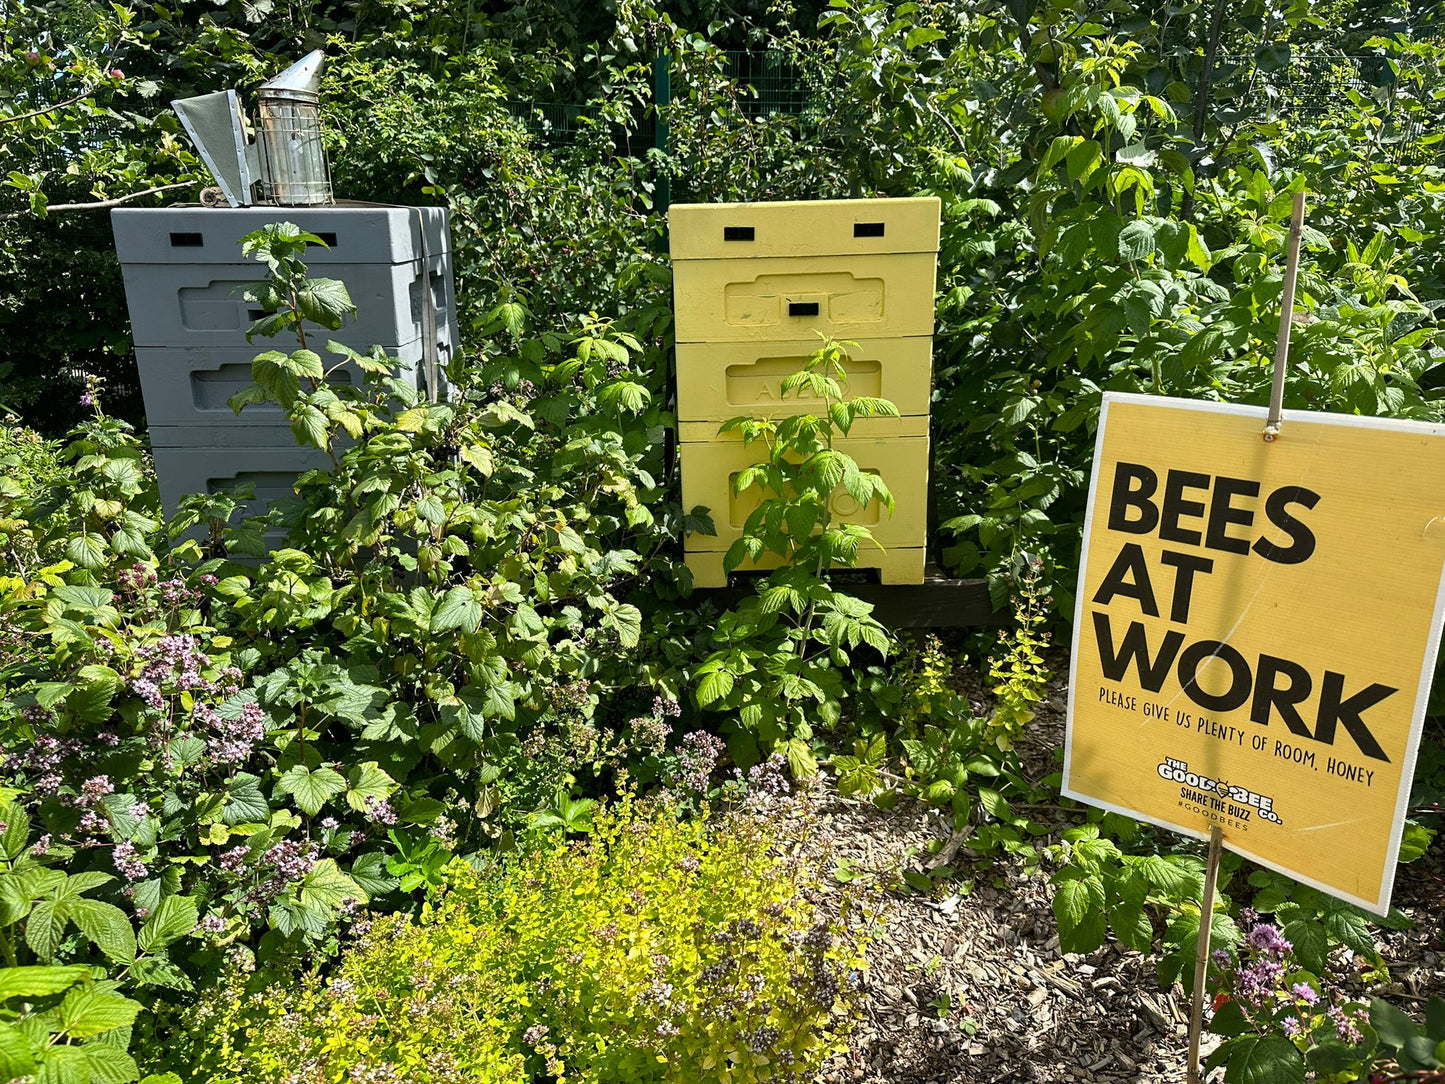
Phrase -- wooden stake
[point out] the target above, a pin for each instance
(1201, 955)
(1286, 318)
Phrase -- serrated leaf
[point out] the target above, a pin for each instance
(324, 302)
(109, 1064)
(1229, 1020)
(44, 929)
(1132, 927)
(245, 802)
(1394, 1028)
(1136, 241)
(369, 872)
(458, 609)
(1330, 1057)
(1079, 911)
(714, 686)
(325, 887)
(16, 1056)
(1264, 1059)
(86, 551)
(108, 926)
(1311, 943)
(89, 1011)
(175, 917)
(32, 982)
(367, 780)
(311, 789)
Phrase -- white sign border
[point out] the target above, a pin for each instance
(1422, 694)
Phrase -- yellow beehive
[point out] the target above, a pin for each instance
(708, 470)
(718, 381)
(757, 286)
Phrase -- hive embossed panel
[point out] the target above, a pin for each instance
(193, 386)
(708, 470)
(843, 297)
(718, 381)
(187, 305)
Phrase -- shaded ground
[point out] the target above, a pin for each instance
(970, 986)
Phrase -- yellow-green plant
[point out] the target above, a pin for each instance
(653, 951)
(1019, 674)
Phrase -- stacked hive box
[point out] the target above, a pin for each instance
(756, 285)
(182, 268)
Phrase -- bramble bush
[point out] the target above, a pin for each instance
(655, 949)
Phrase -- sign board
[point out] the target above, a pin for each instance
(1256, 631)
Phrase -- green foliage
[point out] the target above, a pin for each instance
(1279, 1024)
(66, 956)
(654, 950)
(1018, 670)
(1143, 899)
(779, 655)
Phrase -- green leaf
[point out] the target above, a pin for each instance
(307, 363)
(109, 1064)
(1079, 910)
(1229, 1020)
(1311, 943)
(1394, 1028)
(369, 872)
(85, 550)
(800, 759)
(325, 887)
(1132, 927)
(367, 780)
(626, 621)
(459, 609)
(309, 426)
(64, 1065)
(44, 929)
(159, 971)
(324, 302)
(32, 982)
(16, 1057)
(1330, 1057)
(714, 686)
(89, 1011)
(311, 789)
(245, 803)
(175, 917)
(108, 926)
(16, 836)
(1264, 1059)
(1136, 241)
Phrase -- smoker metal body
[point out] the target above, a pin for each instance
(288, 160)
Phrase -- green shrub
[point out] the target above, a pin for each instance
(29, 461)
(655, 950)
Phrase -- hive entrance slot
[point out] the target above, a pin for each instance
(738, 233)
(328, 236)
(187, 240)
(802, 308)
(868, 229)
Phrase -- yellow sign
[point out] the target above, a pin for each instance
(1256, 631)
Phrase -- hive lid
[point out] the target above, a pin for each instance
(713, 231)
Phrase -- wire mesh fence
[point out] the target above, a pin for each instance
(1405, 107)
